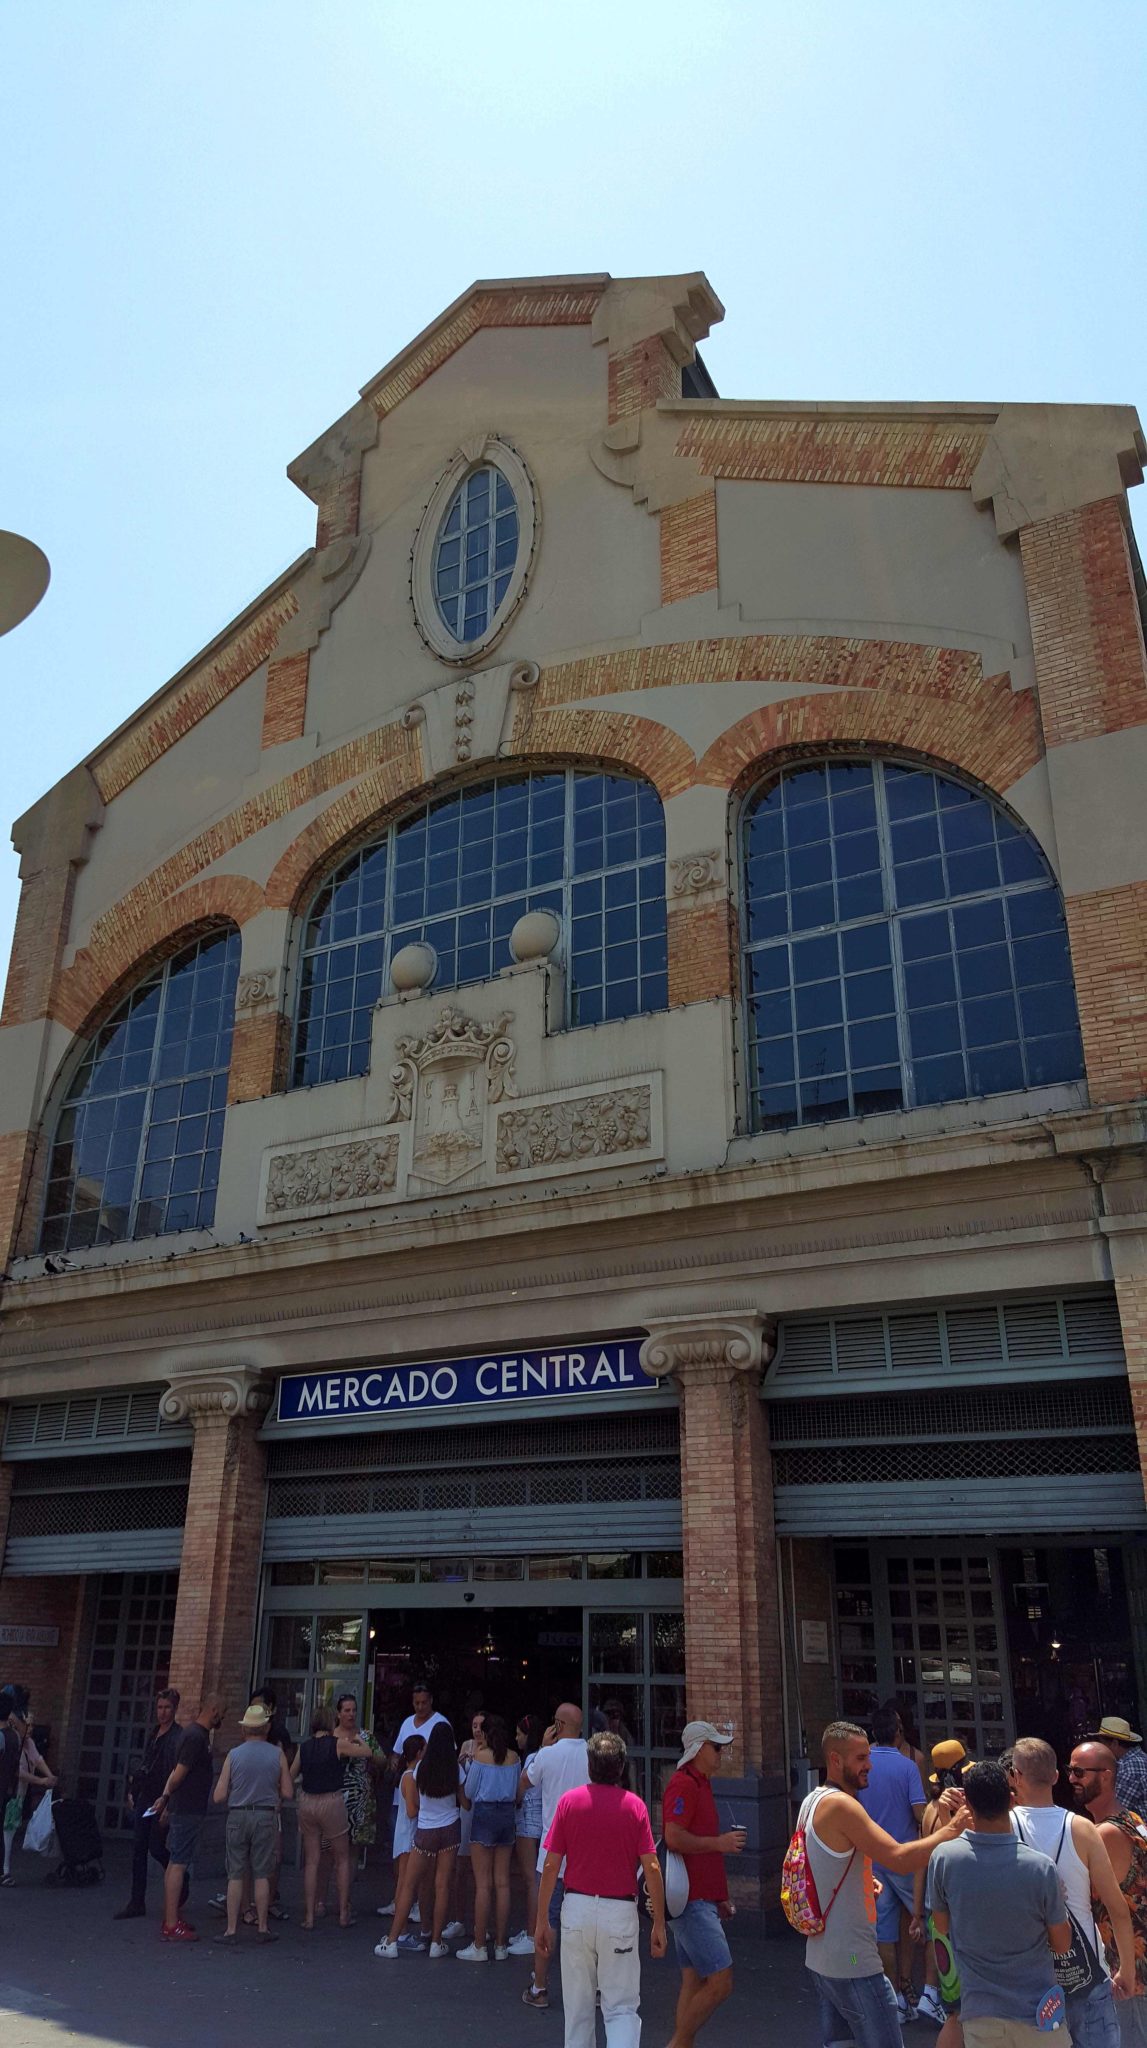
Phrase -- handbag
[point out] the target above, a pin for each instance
(1078, 1969)
(13, 1813)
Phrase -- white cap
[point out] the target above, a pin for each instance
(696, 1734)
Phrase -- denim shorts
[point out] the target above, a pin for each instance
(1093, 2020)
(700, 1938)
(862, 2010)
(898, 1891)
(183, 1832)
(1132, 2016)
(492, 1823)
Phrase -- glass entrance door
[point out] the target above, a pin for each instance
(130, 1660)
(923, 1624)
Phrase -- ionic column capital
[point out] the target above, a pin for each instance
(223, 1390)
(704, 1348)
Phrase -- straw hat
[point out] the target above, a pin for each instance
(1115, 1727)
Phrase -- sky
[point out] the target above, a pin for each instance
(221, 220)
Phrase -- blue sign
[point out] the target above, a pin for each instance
(364, 1393)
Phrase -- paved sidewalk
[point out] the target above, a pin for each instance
(71, 1977)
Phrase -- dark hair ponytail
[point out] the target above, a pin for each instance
(438, 1771)
(497, 1737)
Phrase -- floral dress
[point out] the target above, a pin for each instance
(1134, 1889)
(358, 1791)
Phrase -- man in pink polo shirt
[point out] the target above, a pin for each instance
(603, 1832)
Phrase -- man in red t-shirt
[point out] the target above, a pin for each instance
(691, 1828)
(603, 1832)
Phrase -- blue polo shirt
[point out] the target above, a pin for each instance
(894, 1788)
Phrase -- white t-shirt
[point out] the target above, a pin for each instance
(560, 1768)
(412, 1727)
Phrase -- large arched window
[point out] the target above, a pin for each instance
(904, 944)
(460, 873)
(135, 1152)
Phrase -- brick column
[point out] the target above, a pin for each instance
(732, 1625)
(732, 1632)
(701, 929)
(222, 1535)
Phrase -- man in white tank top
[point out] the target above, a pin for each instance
(1076, 1848)
(857, 2002)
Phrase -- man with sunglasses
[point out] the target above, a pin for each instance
(1092, 1774)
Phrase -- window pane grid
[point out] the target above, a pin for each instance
(475, 553)
(136, 1147)
(460, 873)
(905, 944)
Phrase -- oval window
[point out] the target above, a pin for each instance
(475, 553)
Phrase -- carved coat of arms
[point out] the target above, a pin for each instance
(441, 1084)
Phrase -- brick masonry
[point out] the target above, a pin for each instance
(688, 548)
(612, 737)
(791, 448)
(639, 376)
(285, 702)
(219, 1570)
(702, 951)
(1087, 634)
(944, 672)
(1131, 1294)
(257, 1055)
(541, 306)
(732, 1636)
(56, 1678)
(1108, 932)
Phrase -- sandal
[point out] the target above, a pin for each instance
(350, 1921)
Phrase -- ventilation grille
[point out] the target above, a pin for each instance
(1005, 1458)
(86, 1419)
(1089, 1406)
(98, 1511)
(399, 1450)
(478, 1487)
(1054, 1330)
(143, 1468)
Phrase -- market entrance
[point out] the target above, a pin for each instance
(505, 1660)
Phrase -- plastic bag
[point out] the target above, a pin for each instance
(40, 1833)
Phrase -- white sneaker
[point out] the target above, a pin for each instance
(439, 1949)
(388, 1950)
(905, 2010)
(452, 1932)
(473, 1954)
(385, 1912)
(931, 2006)
(414, 1917)
(521, 1945)
(500, 1954)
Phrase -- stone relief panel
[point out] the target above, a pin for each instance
(453, 1121)
(319, 1179)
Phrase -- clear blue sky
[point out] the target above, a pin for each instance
(221, 219)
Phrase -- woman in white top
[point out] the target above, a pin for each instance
(34, 1774)
(430, 1796)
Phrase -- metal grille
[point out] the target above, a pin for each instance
(59, 1475)
(1006, 1458)
(72, 1514)
(589, 1437)
(120, 1415)
(476, 1487)
(946, 1342)
(929, 1418)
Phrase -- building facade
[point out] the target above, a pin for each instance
(573, 1087)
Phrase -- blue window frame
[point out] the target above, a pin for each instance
(135, 1151)
(475, 553)
(459, 874)
(904, 944)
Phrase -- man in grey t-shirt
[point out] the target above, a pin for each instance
(1003, 1906)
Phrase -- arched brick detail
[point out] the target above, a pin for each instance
(372, 802)
(992, 733)
(100, 975)
(639, 745)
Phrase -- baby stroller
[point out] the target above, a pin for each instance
(80, 1842)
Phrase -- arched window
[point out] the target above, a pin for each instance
(135, 1152)
(459, 874)
(904, 944)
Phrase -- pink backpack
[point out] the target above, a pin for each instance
(800, 1899)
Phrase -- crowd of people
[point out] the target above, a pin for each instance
(1029, 1917)
(547, 1801)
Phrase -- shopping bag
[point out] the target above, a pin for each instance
(40, 1834)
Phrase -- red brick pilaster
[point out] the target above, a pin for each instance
(732, 1625)
(639, 376)
(285, 699)
(222, 1536)
(1091, 669)
(1131, 1294)
(688, 548)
